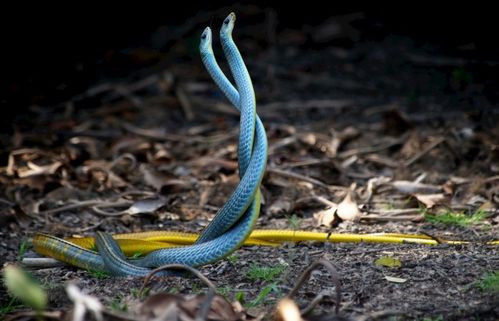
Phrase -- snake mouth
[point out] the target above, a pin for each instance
(228, 24)
(230, 18)
(206, 35)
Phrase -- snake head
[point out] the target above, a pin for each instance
(228, 25)
(205, 44)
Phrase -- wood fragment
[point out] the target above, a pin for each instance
(304, 178)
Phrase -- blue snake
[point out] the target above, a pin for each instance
(236, 218)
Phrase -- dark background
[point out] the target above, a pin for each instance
(52, 55)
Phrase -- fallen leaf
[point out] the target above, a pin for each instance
(280, 206)
(149, 205)
(34, 169)
(161, 304)
(183, 307)
(287, 310)
(388, 261)
(395, 279)
(348, 210)
(409, 187)
(326, 217)
(430, 200)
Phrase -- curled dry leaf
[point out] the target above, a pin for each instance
(326, 217)
(348, 210)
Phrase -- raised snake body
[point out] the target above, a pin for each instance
(234, 221)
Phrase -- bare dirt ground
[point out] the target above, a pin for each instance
(415, 130)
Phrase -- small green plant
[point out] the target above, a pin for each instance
(12, 306)
(438, 318)
(23, 247)
(262, 296)
(232, 258)
(196, 288)
(239, 297)
(489, 282)
(98, 274)
(265, 273)
(135, 292)
(456, 218)
(174, 290)
(294, 222)
(118, 304)
(224, 291)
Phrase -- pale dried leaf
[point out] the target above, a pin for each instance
(280, 206)
(287, 310)
(326, 217)
(348, 210)
(145, 206)
(83, 302)
(409, 187)
(430, 200)
(34, 169)
(308, 138)
(395, 279)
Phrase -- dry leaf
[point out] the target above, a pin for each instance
(430, 200)
(161, 304)
(34, 169)
(326, 217)
(167, 306)
(409, 187)
(348, 210)
(280, 206)
(145, 206)
(395, 279)
(388, 262)
(287, 310)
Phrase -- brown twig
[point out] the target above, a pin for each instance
(306, 274)
(177, 267)
(53, 315)
(370, 150)
(304, 178)
(428, 148)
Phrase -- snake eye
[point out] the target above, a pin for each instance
(203, 36)
(227, 21)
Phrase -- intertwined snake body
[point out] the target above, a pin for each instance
(233, 222)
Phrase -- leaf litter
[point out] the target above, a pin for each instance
(153, 154)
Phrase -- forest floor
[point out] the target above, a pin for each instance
(411, 132)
